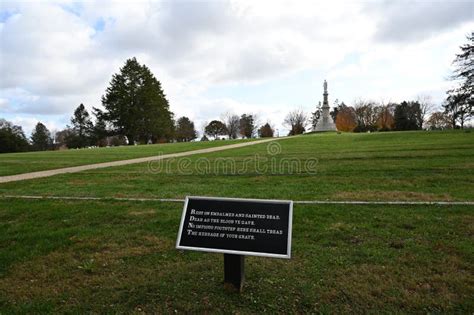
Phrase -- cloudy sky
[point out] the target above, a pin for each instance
(212, 57)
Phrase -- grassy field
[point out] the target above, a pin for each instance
(17, 163)
(386, 166)
(119, 257)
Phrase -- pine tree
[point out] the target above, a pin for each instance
(460, 100)
(136, 105)
(247, 126)
(266, 131)
(407, 116)
(12, 137)
(41, 138)
(82, 127)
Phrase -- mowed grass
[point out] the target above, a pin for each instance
(119, 257)
(17, 163)
(425, 166)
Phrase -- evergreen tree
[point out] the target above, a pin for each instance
(136, 105)
(12, 138)
(460, 100)
(247, 126)
(408, 116)
(82, 127)
(63, 137)
(99, 132)
(185, 131)
(266, 131)
(41, 138)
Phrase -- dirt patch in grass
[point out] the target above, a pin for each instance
(391, 195)
(143, 212)
(78, 182)
(340, 226)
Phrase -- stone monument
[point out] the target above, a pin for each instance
(325, 122)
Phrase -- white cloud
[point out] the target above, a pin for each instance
(405, 21)
(54, 57)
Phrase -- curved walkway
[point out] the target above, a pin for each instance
(76, 169)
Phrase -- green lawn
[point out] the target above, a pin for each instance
(17, 163)
(119, 257)
(385, 166)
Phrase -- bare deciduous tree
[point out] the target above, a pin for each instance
(439, 121)
(385, 116)
(296, 121)
(366, 115)
(426, 106)
(232, 123)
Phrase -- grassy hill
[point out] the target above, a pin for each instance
(109, 256)
(384, 166)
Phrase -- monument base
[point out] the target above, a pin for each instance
(325, 126)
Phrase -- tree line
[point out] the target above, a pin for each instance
(234, 126)
(366, 115)
(136, 110)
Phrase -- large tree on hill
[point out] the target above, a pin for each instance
(12, 137)
(185, 130)
(386, 120)
(460, 100)
(136, 105)
(366, 115)
(41, 138)
(296, 121)
(439, 121)
(215, 128)
(346, 118)
(408, 116)
(247, 125)
(100, 131)
(82, 128)
(266, 131)
(232, 125)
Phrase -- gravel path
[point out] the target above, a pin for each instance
(75, 169)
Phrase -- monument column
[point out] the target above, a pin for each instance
(325, 122)
(325, 94)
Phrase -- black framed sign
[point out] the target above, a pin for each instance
(253, 227)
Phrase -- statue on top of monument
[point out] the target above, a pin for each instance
(325, 86)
